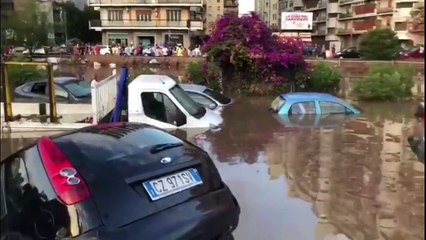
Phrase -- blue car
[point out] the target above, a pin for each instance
(311, 103)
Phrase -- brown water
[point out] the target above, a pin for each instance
(359, 181)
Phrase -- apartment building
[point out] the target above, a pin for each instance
(148, 22)
(340, 23)
(269, 12)
(218, 8)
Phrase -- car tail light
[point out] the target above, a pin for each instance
(67, 183)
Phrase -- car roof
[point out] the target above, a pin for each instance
(311, 96)
(193, 87)
(58, 80)
(149, 81)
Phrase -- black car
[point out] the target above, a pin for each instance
(348, 53)
(115, 181)
(67, 89)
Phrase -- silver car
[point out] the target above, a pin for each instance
(207, 97)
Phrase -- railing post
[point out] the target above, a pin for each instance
(7, 100)
(52, 95)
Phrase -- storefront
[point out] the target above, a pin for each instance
(118, 38)
(173, 39)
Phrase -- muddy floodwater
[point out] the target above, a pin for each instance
(358, 180)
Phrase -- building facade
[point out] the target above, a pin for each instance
(148, 22)
(152, 22)
(218, 8)
(340, 23)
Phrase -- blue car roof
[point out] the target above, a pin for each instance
(311, 96)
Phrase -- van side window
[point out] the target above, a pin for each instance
(158, 106)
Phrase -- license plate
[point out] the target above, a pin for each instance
(171, 184)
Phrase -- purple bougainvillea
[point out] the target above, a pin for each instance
(247, 45)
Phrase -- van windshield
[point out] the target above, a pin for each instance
(193, 108)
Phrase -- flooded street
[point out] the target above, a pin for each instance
(358, 181)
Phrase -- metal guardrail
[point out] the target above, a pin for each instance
(7, 96)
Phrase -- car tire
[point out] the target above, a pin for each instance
(226, 236)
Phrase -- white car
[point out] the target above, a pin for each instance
(207, 97)
(104, 50)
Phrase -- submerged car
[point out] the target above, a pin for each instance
(311, 103)
(67, 89)
(206, 96)
(115, 181)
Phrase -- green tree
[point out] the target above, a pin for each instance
(379, 44)
(30, 26)
(78, 22)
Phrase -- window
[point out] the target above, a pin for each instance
(174, 15)
(115, 15)
(78, 88)
(193, 108)
(158, 106)
(277, 104)
(218, 8)
(331, 108)
(143, 15)
(404, 5)
(218, 1)
(400, 26)
(60, 92)
(217, 96)
(206, 102)
(29, 195)
(303, 108)
(39, 88)
(290, 4)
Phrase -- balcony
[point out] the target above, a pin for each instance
(384, 10)
(98, 25)
(416, 28)
(319, 32)
(348, 2)
(320, 19)
(319, 6)
(230, 4)
(345, 15)
(344, 31)
(177, 3)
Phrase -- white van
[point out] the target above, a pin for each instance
(157, 100)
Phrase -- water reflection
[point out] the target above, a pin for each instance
(359, 180)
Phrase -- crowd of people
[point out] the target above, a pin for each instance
(137, 50)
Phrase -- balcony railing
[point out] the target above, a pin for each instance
(133, 23)
(345, 15)
(344, 31)
(344, 2)
(320, 19)
(381, 10)
(319, 32)
(144, 2)
(230, 3)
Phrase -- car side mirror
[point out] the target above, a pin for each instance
(212, 106)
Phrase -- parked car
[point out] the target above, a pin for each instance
(67, 89)
(207, 97)
(348, 53)
(414, 53)
(296, 122)
(302, 103)
(114, 181)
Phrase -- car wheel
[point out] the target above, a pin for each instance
(226, 236)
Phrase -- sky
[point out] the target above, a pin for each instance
(245, 6)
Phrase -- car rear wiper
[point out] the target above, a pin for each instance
(164, 146)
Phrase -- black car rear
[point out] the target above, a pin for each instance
(95, 182)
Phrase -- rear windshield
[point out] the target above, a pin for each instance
(114, 144)
(277, 104)
(218, 96)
